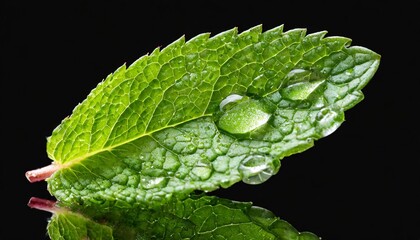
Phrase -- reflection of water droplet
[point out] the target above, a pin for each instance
(244, 117)
(228, 101)
(328, 120)
(202, 170)
(256, 169)
(153, 178)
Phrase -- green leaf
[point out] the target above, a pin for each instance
(204, 114)
(198, 217)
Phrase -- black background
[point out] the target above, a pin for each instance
(359, 183)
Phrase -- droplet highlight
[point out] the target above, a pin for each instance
(228, 101)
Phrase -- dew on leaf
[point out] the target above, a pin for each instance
(301, 90)
(221, 164)
(244, 117)
(256, 169)
(328, 120)
(153, 178)
(297, 75)
(202, 170)
(171, 162)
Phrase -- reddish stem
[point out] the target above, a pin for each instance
(43, 204)
(41, 173)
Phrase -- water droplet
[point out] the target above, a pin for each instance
(297, 75)
(224, 105)
(191, 148)
(202, 170)
(221, 164)
(171, 162)
(256, 169)
(349, 71)
(244, 117)
(328, 120)
(153, 178)
(258, 83)
(264, 149)
(300, 90)
(144, 157)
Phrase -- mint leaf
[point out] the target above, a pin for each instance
(198, 217)
(204, 114)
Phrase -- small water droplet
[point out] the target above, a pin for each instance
(328, 120)
(191, 148)
(264, 149)
(244, 117)
(144, 157)
(228, 101)
(300, 90)
(202, 170)
(258, 83)
(221, 164)
(171, 162)
(297, 75)
(324, 71)
(256, 169)
(153, 178)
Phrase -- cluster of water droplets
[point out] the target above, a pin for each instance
(241, 115)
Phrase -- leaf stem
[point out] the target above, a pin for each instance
(43, 204)
(41, 173)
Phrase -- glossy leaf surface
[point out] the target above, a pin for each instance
(204, 114)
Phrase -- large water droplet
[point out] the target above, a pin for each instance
(244, 117)
(153, 178)
(328, 120)
(256, 169)
(228, 101)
